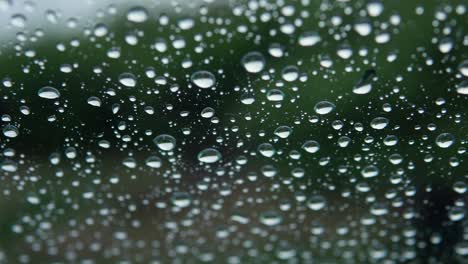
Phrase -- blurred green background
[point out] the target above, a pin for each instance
(133, 219)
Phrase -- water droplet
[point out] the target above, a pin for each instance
(94, 101)
(207, 112)
(364, 86)
(290, 73)
(209, 155)
(276, 50)
(100, 30)
(247, 99)
(181, 199)
(48, 92)
(460, 187)
(324, 107)
(253, 62)
(445, 140)
(153, 162)
(18, 20)
(370, 171)
(446, 45)
(10, 131)
(9, 166)
(165, 142)
(311, 146)
(363, 27)
(203, 79)
(32, 199)
(374, 8)
(308, 39)
(270, 218)
(283, 131)
(275, 95)
(128, 79)
(186, 23)
(463, 68)
(137, 15)
(457, 213)
(462, 88)
(316, 202)
(266, 149)
(379, 123)
(344, 51)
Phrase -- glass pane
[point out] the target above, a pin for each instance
(233, 131)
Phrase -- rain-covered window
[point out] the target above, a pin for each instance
(233, 131)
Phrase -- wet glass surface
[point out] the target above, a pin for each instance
(261, 131)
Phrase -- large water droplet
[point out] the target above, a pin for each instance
(137, 15)
(153, 162)
(209, 155)
(253, 62)
(370, 171)
(290, 73)
(270, 218)
(10, 131)
(462, 88)
(127, 79)
(266, 149)
(165, 142)
(324, 107)
(311, 146)
(364, 86)
(316, 202)
(283, 131)
(48, 92)
(203, 79)
(181, 199)
(463, 68)
(379, 123)
(308, 39)
(445, 140)
(374, 8)
(275, 95)
(94, 101)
